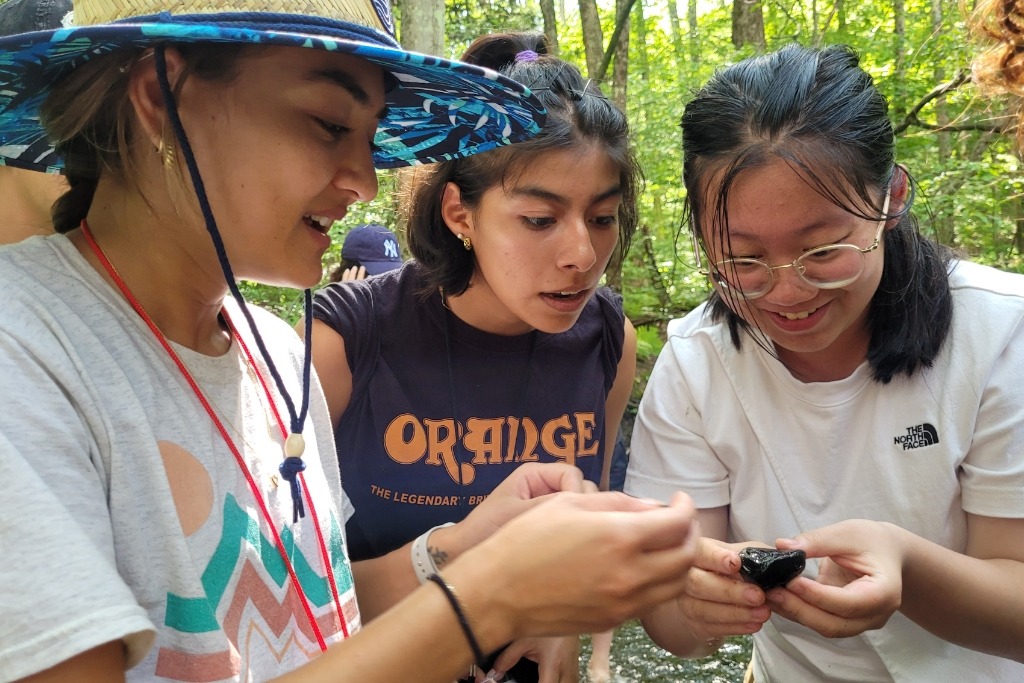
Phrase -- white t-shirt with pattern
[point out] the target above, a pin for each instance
(124, 514)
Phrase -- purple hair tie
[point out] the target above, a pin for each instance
(527, 56)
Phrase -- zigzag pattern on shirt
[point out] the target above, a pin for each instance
(198, 615)
(278, 614)
(273, 630)
(254, 602)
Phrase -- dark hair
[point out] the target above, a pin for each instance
(577, 113)
(817, 110)
(90, 117)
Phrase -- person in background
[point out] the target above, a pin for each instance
(166, 450)
(850, 390)
(368, 249)
(27, 196)
(520, 356)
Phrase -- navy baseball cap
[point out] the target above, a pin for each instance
(373, 246)
(23, 16)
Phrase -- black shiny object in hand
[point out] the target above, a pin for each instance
(770, 568)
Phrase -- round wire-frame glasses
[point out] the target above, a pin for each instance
(826, 267)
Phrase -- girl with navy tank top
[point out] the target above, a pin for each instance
(497, 345)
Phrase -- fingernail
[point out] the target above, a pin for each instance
(732, 564)
(494, 676)
(752, 597)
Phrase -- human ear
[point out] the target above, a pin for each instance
(146, 97)
(457, 217)
(899, 187)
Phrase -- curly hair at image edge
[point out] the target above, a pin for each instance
(998, 67)
(1000, 25)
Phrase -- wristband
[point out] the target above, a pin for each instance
(453, 600)
(422, 562)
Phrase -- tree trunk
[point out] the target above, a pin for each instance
(821, 25)
(640, 27)
(899, 58)
(654, 275)
(547, 8)
(693, 34)
(973, 151)
(621, 29)
(593, 38)
(677, 39)
(748, 24)
(422, 28)
(621, 70)
(945, 229)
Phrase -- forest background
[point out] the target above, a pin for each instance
(652, 55)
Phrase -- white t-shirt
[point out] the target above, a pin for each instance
(124, 514)
(735, 428)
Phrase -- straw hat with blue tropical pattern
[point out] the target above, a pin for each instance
(437, 110)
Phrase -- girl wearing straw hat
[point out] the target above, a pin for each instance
(171, 498)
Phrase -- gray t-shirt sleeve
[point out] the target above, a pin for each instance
(60, 595)
(60, 590)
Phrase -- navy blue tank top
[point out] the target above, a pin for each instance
(411, 457)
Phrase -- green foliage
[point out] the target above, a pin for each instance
(970, 182)
(467, 19)
(284, 302)
(648, 341)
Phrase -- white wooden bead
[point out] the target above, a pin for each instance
(294, 445)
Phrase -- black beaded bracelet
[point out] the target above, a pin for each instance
(453, 599)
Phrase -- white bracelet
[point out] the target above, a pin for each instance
(422, 562)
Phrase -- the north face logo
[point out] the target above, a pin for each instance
(917, 437)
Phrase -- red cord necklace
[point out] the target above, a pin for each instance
(239, 459)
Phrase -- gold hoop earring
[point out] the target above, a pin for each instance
(466, 243)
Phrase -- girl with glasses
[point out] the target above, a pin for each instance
(849, 390)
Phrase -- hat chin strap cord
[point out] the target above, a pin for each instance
(294, 444)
